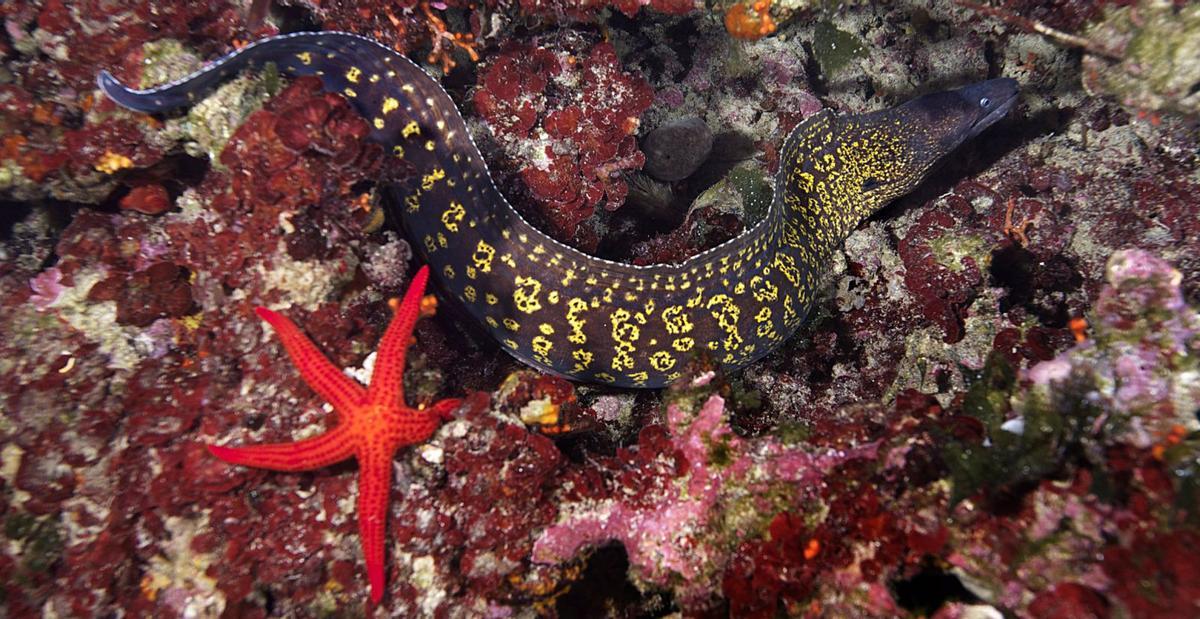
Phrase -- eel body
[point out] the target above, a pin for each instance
(589, 319)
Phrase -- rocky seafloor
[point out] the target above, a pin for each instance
(991, 412)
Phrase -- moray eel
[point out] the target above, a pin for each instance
(565, 312)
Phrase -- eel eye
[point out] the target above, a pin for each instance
(984, 102)
(871, 183)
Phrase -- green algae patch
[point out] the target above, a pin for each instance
(751, 185)
(834, 48)
(949, 251)
(1038, 436)
(720, 454)
(1160, 49)
(1015, 451)
(793, 432)
(41, 542)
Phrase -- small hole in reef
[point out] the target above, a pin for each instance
(254, 421)
(992, 59)
(1039, 286)
(604, 590)
(929, 589)
(363, 186)
(293, 18)
(10, 214)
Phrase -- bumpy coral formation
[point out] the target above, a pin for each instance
(1157, 44)
(572, 113)
(1109, 418)
(1144, 365)
(685, 489)
(750, 21)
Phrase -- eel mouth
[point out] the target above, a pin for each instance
(1003, 94)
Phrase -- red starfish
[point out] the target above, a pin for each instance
(372, 423)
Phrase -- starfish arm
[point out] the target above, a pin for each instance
(442, 408)
(374, 482)
(387, 381)
(325, 378)
(312, 453)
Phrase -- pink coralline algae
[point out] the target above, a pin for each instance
(681, 495)
(568, 118)
(1143, 357)
(1103, 430)
(46, 287)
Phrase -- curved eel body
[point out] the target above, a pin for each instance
(566, 312)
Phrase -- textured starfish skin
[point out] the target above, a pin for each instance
(372, 423)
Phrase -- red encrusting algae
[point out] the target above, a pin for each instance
(568, 117)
